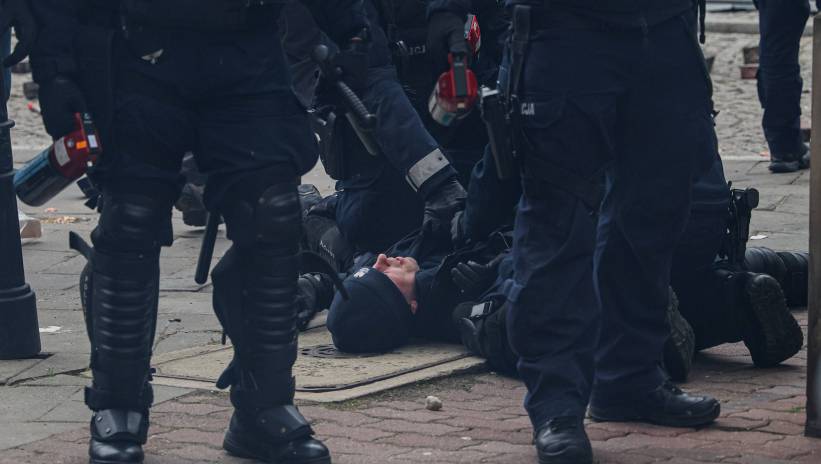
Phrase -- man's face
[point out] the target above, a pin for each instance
(402, 272)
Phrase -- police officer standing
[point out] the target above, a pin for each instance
(781, 24)
(617, 87)
(161, 78)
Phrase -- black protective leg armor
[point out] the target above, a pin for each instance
(255, 287)
(120, 292)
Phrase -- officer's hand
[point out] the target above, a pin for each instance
(17, 14)
(60, 99)
(442, 204)
(473, 279)
(446, 35)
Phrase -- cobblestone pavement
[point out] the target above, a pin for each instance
(482, 419)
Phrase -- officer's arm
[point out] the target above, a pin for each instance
(340, 19)
(53, 53)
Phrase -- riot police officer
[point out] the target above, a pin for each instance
(162, 78)
(618, 88)
(781, 24)
(410, 179)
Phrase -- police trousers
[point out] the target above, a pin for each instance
(589, 296)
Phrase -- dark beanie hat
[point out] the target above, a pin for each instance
(374, 319)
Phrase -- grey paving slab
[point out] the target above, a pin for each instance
(41, 408)
(186, 303)
(12, 368)
(13, 434)
(31, 403)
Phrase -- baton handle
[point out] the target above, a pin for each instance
(209, 240)
(355, 106)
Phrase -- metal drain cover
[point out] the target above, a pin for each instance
(330, 351)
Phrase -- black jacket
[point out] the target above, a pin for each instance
(59, 21)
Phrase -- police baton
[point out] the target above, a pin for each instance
(362, 120)
(209, 240)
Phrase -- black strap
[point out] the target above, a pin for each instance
(519, 41)
(120, 425)
(518, 45)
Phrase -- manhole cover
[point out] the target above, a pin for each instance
(330, 351)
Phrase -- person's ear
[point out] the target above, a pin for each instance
(414, 306)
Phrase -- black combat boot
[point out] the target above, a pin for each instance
(277, 435)
(117, 436)
(482, 329)
(562, 440)
(680, 346)
(768, 329)
(790, 162)
(667, 405)
(757, 314)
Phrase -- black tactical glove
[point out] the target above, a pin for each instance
(473, 279)
(457, 230)
(60, 99)
(315, 293)
(446, 34)
(442, 204)
(17, 14)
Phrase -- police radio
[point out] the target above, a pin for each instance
(56, 167)
(457, 90)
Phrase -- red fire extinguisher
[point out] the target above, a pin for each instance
(56, 167)
(457, 90)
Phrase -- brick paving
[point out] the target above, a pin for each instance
(482, 421)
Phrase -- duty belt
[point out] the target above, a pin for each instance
(205, 15)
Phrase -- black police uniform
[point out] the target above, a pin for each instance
(163, 78)
(616, 87)
(406, 28)
(781, 24)
(382, 198)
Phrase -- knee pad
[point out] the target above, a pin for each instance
(763, 260)
(136, 222)
(269, 220)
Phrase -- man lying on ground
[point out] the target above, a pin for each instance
(412, 289)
